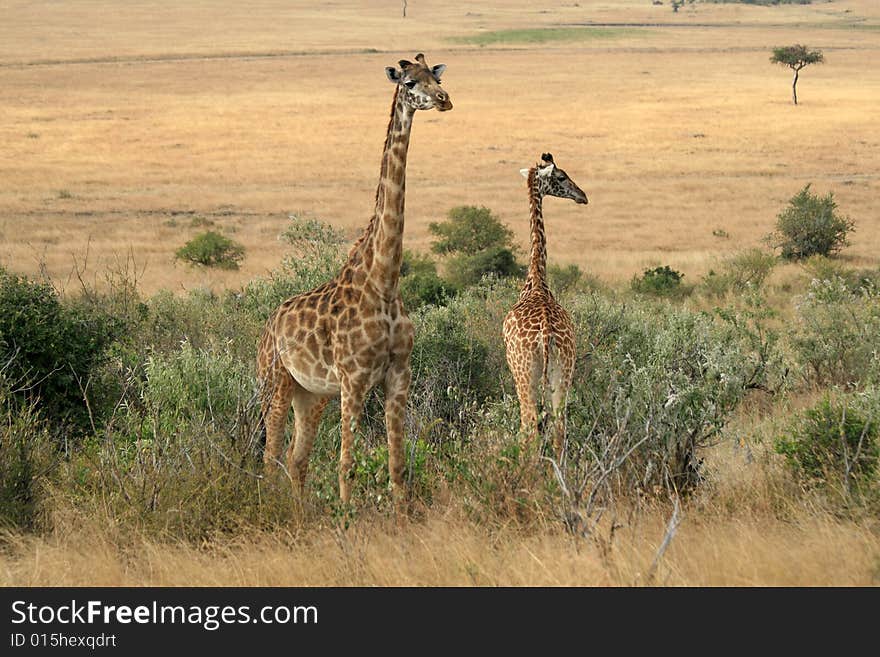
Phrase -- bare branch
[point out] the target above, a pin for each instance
(671, 528)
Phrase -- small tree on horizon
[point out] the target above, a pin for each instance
(796, 57)
(211, 250)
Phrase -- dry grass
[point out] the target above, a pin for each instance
(750, 525)
(808, 550)
(673, 130)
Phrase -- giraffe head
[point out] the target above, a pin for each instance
(420, 84)
(550, 180)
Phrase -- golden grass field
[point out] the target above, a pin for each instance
(121, 122)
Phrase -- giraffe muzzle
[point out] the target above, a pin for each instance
(442, 103)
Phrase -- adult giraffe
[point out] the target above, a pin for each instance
(351, 333)
(538, 332)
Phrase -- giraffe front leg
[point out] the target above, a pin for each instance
(354, 391)
(397, 382)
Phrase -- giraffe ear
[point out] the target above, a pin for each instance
(438, 71)
(524, 172)
(393, 74)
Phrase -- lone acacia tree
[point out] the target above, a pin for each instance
(796, 57)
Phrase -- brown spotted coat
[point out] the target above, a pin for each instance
(351, 333)
(538, 332)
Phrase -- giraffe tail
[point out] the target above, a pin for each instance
(265, 366)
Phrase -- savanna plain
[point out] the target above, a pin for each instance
(723, 426)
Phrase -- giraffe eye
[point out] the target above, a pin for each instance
(409, 84)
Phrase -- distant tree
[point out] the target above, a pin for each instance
(212, 250)
(796, 57)
(478, 244)
(469, 229)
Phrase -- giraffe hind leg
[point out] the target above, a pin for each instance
(277, 393)
(307, 411)
(354, 391)
(397, 382)
(527, 381)
(559, 382)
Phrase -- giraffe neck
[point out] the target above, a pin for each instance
(379, 251)
(537, 275)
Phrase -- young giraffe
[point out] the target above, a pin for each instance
(538, 332)
(351, 333)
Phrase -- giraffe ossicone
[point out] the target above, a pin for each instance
(538, 332)
(352, 333)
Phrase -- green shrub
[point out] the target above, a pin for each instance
(836, 334)
(470, 230)
(181, 455)
(419, 283)
(478, 245)
(458, 358)
(448, 371)
(306, 230)
(715, 284)
(660, 282)
(25, 458)
(856, 280)
(316, 256)
(49, 351)
(172, 320)
(372, 485)
(563, 279)
(465, 270)
(739, 272)
(201, 385)
(212, 250)
(500, 479)
(662, 381)
(834, 443)
(187, 484)
(810, 225)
